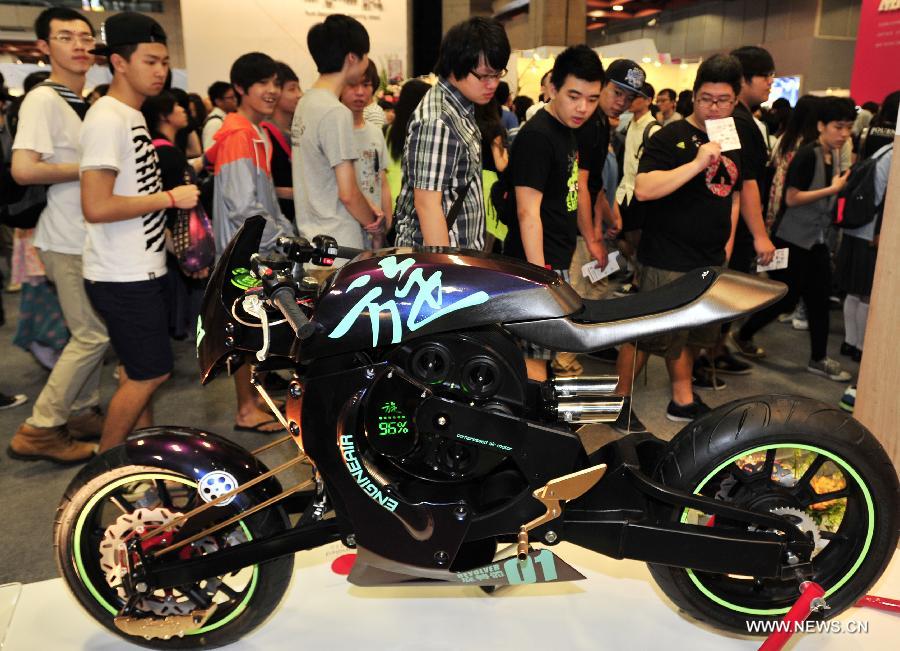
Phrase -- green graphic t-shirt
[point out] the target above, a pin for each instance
(544, 156)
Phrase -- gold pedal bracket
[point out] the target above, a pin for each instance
(553, 494)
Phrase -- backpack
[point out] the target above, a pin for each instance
(22, 205)
(503, 199)
(858, 196)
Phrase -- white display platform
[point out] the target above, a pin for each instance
(617, 607)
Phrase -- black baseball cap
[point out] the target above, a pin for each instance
(128, 28)
(627, 75)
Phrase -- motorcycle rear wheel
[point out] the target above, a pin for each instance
(94, 506)
(806, 461)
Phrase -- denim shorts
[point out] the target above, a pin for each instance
(137, 317)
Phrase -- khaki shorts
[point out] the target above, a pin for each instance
(671, 344)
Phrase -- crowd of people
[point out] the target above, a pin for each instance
(600, 161)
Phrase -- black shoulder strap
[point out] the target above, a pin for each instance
(72, 99)
(458, 204)
(213, 117)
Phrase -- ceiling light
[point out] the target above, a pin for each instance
(597, 13)
(651, 22)
(618, 8)
(646, 59)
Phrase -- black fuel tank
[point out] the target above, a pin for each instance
(394, 295)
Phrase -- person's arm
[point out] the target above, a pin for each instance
(28, 169)
(735, 213)
(284, 192)
(528, 209)
(796, 197)
(586, 225)
(101, 206)
(500, 154)
(387, 203)
(751, 213)
(432, 222)
(351, 196)
(193, 149)
(649, 186)
(604, 214)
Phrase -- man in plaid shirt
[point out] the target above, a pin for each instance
(442, 156)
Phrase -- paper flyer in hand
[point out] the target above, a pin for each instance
(723, 132)
(592, 270)
(779, 261)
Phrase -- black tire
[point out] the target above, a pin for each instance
(846, 570)
(86, 579)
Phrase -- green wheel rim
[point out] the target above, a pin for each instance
(82, 573)
(870, 509)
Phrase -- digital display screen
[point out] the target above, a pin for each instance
(391, 420)
(786, 87)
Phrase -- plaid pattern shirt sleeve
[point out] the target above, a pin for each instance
(432, 151)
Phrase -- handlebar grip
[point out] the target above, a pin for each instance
(284, 298)
(348, 252)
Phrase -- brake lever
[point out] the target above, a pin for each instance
(253, 306)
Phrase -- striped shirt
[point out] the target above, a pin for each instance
(443, 153)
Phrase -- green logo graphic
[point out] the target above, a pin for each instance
(243, 279)
(392, 421)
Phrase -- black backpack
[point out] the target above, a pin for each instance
(22, 205)
(859, 193)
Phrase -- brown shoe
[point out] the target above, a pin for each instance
(50, 444)
(86, 425)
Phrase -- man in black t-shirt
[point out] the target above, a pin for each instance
(543, 169)
(751, 242)
(691, 191)
(624, 81)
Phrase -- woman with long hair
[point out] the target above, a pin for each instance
(166, 118)
(411, 94)
(800, 129)
(494, 159)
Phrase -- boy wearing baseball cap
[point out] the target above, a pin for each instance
(124, 207)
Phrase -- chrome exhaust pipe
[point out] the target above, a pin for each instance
(583, 412)
(584, 386)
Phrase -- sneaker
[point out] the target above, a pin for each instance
(705, 379)
(827, 367)
(48, 444)
(852, 352)
(787, 317)
(8, 402)
(848, 400)
(800, 324)
(628, 289)
(608, 355)
(86, 425)
(687, 413)
(746, 347)
(731, 365)
(628, 422)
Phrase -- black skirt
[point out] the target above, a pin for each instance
(856, 265)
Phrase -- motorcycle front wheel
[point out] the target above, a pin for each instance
(805, 461)
(97, 513)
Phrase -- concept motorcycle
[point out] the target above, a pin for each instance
(432, 454)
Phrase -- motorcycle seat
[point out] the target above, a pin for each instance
(686, 289)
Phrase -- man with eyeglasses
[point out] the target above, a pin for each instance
(46, 152)
(751, 242)
(691, 195)
(441, 200)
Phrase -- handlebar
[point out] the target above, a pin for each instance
(322, 251)
(285, 299)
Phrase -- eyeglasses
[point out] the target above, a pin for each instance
(491, 76)
(67, 38)
(707, 101)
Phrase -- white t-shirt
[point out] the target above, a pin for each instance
(115, 137)
(50, 127)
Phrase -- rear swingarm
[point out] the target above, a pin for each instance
(629, 515)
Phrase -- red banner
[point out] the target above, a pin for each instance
(877, 51)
